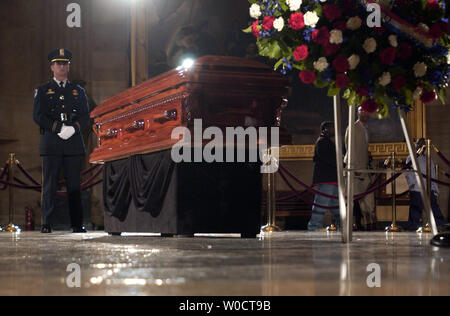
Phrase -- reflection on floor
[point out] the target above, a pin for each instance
(287, 263)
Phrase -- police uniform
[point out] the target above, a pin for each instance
(58, 105)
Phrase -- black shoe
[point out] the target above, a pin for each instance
(46, 229)
(441, 240)
(79, 230)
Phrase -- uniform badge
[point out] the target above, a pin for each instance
(75, 93)
(61, 97)
(50, 91)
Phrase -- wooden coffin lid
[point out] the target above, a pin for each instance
(206, 70)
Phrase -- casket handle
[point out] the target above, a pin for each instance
(169, 115)
(111, 133)
(136, 126)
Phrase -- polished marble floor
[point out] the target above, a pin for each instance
(286, 263)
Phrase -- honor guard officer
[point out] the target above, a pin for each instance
(61, 110)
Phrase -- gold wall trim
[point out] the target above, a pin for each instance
(384, 150)
(378, 151)
(297, 152)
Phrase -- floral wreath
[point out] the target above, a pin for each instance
(334, 45)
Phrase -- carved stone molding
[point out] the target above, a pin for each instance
(378, 151)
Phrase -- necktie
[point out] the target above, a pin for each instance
(61, 84)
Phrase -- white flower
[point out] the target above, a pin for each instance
(385, 79)
(393, 40)
(424, 27)
(278, 24)
(420, 69)
(354, 23)
(353, 60)
(336, 37)
(321, 64)
(294, 5)
(417, 93)
(311, 18)
(255, 11)
(370, 45)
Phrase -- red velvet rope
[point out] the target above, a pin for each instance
(299, 195)
(437, 181)
(447, 162)
(38, 187)
(5, 172)
(372, 188)
(27, 174)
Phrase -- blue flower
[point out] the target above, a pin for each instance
(435, 77)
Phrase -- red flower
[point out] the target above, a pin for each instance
(436, 31)
(331, 49)
(321, 36)
(380, 29)
(332, 11)
(444, 27)
(301, 53)
(341, 64)
(387, 56)
(433, 5)
(398, 82)
(255, 29)
(362, 91)
(340, 25)
(428, 96)
(297, 22)
(307, 77)
(404, 51)
(369, 106)
(268, 23)
(342, 81)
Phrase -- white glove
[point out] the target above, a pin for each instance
(66, 132)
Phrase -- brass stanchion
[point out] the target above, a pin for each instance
(11, 227)
(426, 218)
(271, 204)
(393, 228)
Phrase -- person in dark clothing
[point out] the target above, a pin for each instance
(61, 111)
(416, 204)
(324, 177)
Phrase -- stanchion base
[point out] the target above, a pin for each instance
(332, 228)
(441, 240)
(11, 228)
(393, 229)
(425, 229)
(270, 229)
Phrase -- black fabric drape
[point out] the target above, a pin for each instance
(116, 189)
(151, 193)
(141, 179)
(150, 178)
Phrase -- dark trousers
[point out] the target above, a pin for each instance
(416, 207)
(72, 173)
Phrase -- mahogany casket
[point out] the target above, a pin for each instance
(144, 189)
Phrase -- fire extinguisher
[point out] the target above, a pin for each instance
(29, 220)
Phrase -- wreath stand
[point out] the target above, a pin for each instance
(346, 189)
